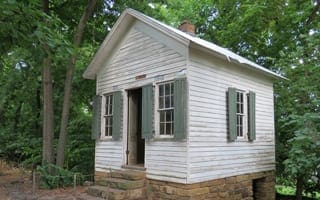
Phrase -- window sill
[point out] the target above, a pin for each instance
(167, 138)
(106, 138)
(242, 139)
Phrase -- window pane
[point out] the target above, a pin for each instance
(167, 102)
(172, 101)
(171, 88)
(172, 127)
(168, 128)
(242, 108)
(162, 128)
(172, 117)
(167, 89)
(107, 100)
(161, 99)
(161, 92)
(110, 100)
(168, 116)
(107, 107)
(107, 122)
(162, 115)
(110, 131)
(110, 121)
(110, 110)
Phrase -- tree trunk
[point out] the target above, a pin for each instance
(48, 120)
(68, 82)
(48, 125)
(299, 188)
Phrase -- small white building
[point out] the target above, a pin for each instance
(182, 109)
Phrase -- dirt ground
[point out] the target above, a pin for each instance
(16, 184)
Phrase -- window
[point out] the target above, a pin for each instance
(108, 116)
(240, 113)
(166, 108)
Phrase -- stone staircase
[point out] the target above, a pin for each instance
(120, 185)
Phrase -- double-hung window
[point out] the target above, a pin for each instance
(240, 113)
(108, 115)
(170, 113)
(166, 109)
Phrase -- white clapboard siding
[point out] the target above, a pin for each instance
(167, 158)
(210, 155)
(108, 154)
(139, 53)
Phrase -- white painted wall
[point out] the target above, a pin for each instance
(206, 154)
(143, 51)
(210, 155)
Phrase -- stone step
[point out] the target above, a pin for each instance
(122, 184)
(85, 196)
(128, 174)
(115, 194)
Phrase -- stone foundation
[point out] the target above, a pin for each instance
(253, 186)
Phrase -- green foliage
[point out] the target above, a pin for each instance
(80, 148)
(290, 191)
(304, 155)
(25, 28)
(61, 177)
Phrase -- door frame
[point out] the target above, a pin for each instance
(126, 126)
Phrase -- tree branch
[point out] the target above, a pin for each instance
(313, 14)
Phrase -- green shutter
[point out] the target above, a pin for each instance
(147, 111)
(116, 114)
(252, 116)
(96, 118)
(180, 108)
(232, 114)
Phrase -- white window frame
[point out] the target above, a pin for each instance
(104, 116)
(157, 110)
(244, 114)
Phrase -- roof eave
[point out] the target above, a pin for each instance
(230, 59)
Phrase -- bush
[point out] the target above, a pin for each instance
(52, 176)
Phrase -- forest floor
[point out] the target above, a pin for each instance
(16, 184)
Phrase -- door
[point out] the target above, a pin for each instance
(135, 143)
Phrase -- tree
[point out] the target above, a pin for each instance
(48, 115)
(68, 82)
(303, 162)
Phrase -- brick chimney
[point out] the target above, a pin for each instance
(187, 27)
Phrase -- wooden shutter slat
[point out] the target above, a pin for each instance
(180, 108)
(117, 111)
(96, 118)
(252, 116)
(232, 114)
(147, 112)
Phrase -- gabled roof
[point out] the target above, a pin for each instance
(129, 15)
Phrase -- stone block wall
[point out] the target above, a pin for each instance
(253, 186)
